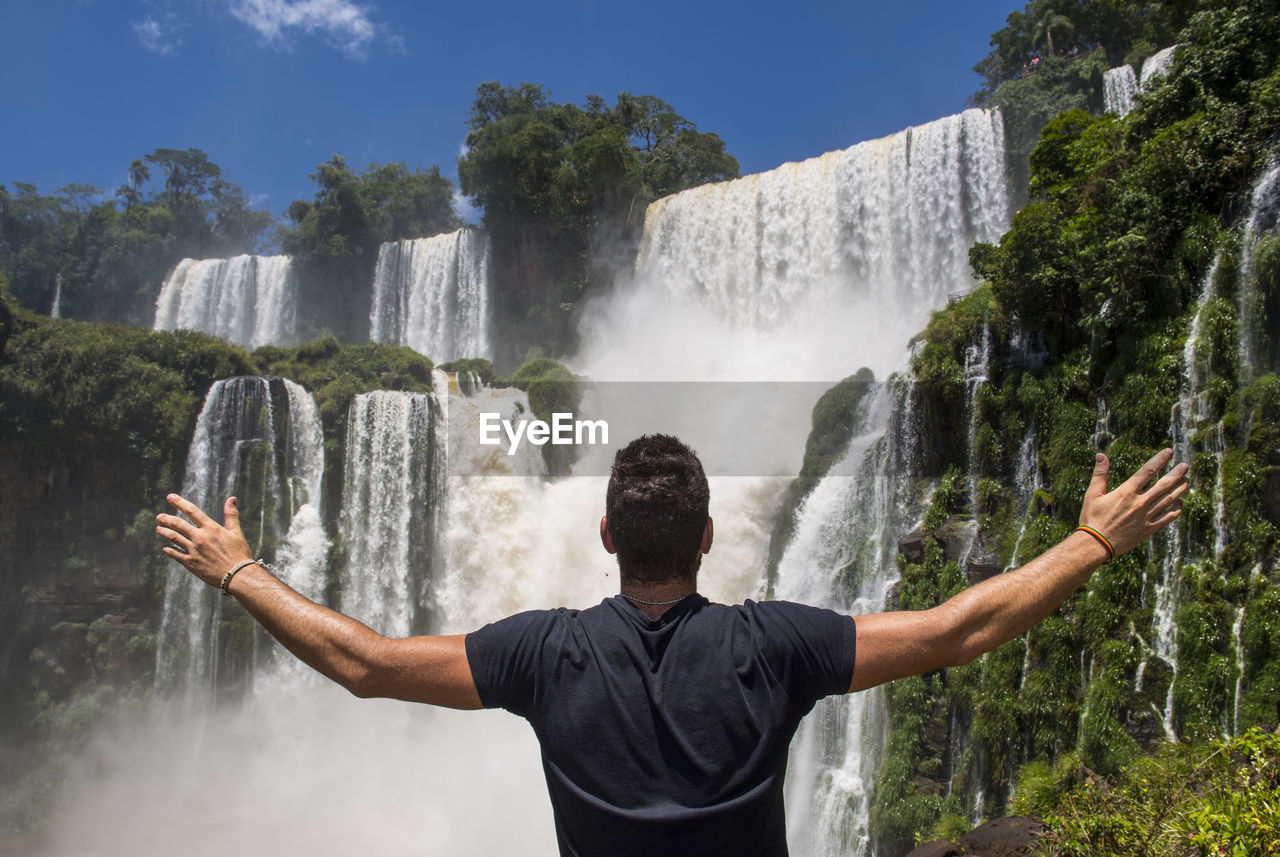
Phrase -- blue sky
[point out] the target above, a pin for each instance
(270, 88)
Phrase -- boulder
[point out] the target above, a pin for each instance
(937, 848)
(1014, 836)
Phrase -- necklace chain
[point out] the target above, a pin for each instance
(632, 598)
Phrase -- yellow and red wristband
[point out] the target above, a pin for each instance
(1111, 551)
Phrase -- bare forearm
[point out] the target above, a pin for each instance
(1006, 606)
(431, 669)
(894, 645)
(335, 645)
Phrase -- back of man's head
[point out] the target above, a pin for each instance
(657, 509)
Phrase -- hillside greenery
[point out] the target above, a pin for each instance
(1132, 239)
(564, 190)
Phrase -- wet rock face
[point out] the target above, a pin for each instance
(961, 542)
(1005, 837)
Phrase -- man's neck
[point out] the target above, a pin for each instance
(654, 599)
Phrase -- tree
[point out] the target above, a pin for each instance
(564, 189)
(1045, 27)
(111, 263)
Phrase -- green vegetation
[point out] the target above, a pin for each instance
(111, 255)
(1219, 799)
(552, 389)
(1051, 55)
(335, 237)
(335, 375)
(564, 191)
(1131, 232)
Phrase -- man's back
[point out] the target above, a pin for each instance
(668, 733)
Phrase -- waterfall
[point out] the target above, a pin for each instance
(1192, 431)
(1158, 64)
(1119, 90)
(977, 367)
(856, 246)
(260, 440)
(390, 509)
(432, 294)
(843, 555)
(1026, 483)
(1120, 86)
(55, 311)
(248, 300)
(1264, 215)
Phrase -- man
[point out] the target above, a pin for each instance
(664, 720)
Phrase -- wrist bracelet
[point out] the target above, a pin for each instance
(1111, 552)
(226, 578)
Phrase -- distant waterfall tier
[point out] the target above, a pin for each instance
(884, 226)
(260, 440)
(1121, 84)
(391, 508)
(1119, 90)
(248, 300)
(432, 294)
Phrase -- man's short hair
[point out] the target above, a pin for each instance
(657, 509)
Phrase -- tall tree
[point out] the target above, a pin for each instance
(564, 189)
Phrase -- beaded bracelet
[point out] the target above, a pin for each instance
(1111, 552)
(226, 578)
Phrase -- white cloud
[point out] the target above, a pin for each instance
(466, 209)
(343, 24)
(159, 35)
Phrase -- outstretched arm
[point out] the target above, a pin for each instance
(895, 645)
(417, 669)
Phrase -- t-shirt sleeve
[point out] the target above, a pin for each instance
(504, 658)
(811, 647)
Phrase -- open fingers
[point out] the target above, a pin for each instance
(1147, 472)
(191, 510)
(180, 541)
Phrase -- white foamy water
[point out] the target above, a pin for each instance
(248, 300)
(258, 439)
(1119, 89)
(432, 294)
(1121, 85)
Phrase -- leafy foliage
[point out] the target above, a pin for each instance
(1220, 799)
(552, 389)
(564, 190)
(1088, 302)
(335, 237)
(109, 262)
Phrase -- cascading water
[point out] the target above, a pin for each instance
(1264, 215)
(1120, 85)
(977, 367)
(856, 246)
(1119, 90)
(432, 294)
(1158, 64)
(55, 310)
(843, 555)
(1193, 431)
(260, 440)
(248, 300)
(391, 508)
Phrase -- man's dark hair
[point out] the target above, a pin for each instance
(657, 509)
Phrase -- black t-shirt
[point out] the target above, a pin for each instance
(670, 736)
